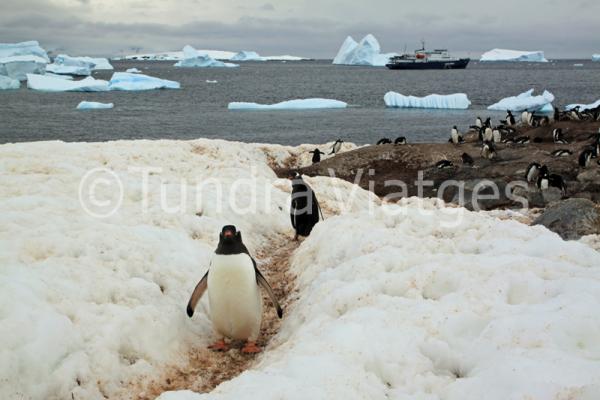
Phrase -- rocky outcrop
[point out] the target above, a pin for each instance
(571, 218)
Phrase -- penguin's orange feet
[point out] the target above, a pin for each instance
(251, 348)
(219, 345)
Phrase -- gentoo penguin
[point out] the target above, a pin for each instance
(522, 139)
(316, 155)
(557, 181)
(532, 172)
(488, 135)
(510, 118)
(488, 150)
(443, 164)
(557, 136)
(335, 148)
(384, 141)
(479, 122)
(561, 153)
(542, 180)
(488, 122)
(467, 159)
(496, 136)
(585, 158)
(400, 140)
(233, 281)
(304, 210)
(525, 117)
(455, 136)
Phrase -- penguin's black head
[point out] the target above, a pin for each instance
(230, 234)
(293, 175)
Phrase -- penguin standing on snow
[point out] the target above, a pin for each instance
(233, 281)
(335, 148)
(304, 210)
(316, 155)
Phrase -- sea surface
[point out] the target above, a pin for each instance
(199, 109)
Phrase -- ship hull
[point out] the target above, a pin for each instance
(458, 64)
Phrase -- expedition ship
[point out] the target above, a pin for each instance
(423, 59)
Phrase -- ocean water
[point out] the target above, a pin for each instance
(199, 109)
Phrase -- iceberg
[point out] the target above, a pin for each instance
(133, 71)
(92, 64)
(596, 57)
(134, 82)
(193, 58)
(513, 55)
(525, 101)
(216, 54)
(298, 104)
(93, 105)
(247, 56)
(65, 77)
(583, 107)
(17, 67)
(8, 83)
(75, 70)
(450, 101)
(367, 52)
(51, 84)
(31, 48)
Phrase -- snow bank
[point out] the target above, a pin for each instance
(596, 57)
(247, 56)
(17, 67)
(129, 81)
(7, 83)
(194, 58)
(583, 107)
(367, 52)
(525, 101)
(450, 101)
(133, 71)
(513, 55)
(298, 104)
(92, 105)
(31, 48)
(51, 84)
(400, 307)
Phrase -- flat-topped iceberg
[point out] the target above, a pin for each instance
(583, 107)
(51, 84)
(525, 101)
(75, 70)
(7, 83)
(298, 104)
(134, 82)
(216, 54)
(31, 48)
(195, 59)
(596, 57)
(93, 105)
(17, 67)
(367, 52)
(93, 64)
(247, 56)
(513, 55)
(436, 101)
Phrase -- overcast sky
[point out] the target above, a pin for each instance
(312, 28)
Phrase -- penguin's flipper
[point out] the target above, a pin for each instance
(197, 294)
(260, 279)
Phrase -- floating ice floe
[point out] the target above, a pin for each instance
(7, 83)
(135, 82)
(93, 105)
(195, 59)
(583, 107)
(366, 52)
(449, 101)
(17, 67)
(64, 77)
(82, 66)
(31, 48)
(525, 101)
(596, 57)
(298, 104)
(211, 81)
(247, 56)
(513, 55)
(133, 71)
(52, 84)
(74, 70)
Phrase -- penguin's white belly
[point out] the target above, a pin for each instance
(234, 298)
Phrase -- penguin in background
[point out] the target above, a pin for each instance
(233, 283)
(488, 150)
(467, 159)
(336, 147)
(488, 135)
(478, 122)
(496, 136)
(384, 141)
(510, 118)
(316, 155)
(561, 153)
(304, 208)
(400, 140)
(443, 164)
(557, 136)
(532, 172)
(455, 136)
(585, 158)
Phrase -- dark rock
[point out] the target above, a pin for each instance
(571, 218)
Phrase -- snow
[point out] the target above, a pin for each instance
(525, 101)
(133, 71)
(596, 57)
(7, 83)
(23, 49)
(51, 84)
(449, 101)
(406, 301)
(513, 55)
(17, 67)
(247, 56)
(297, 104)
(194, 58)
(367, 52)
(134, 82)
(92, 105)
(583, 107)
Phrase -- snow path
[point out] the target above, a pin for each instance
(207, 369)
